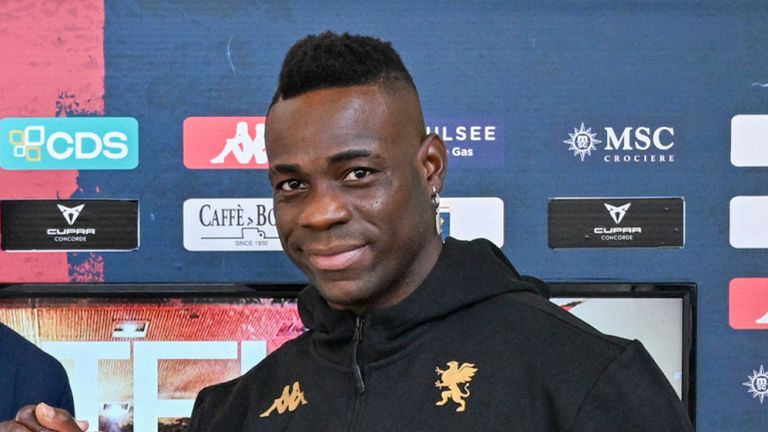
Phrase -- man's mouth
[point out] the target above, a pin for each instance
(335, 258)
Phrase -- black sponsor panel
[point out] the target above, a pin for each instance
(62, 225)
(616, 222)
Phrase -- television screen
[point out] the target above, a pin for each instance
(659, 316)
(137, 355)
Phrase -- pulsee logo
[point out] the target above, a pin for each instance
(81, 143)
(224, 143)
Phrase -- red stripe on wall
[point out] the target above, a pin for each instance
(53, 54)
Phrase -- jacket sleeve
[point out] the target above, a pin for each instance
(65, 397)
(632, 395)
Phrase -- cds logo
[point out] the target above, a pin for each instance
(80, 143)
(224, 143)
(641, 144)
(471, 144)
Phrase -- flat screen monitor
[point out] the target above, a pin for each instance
(136, 355)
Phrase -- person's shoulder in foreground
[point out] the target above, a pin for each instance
(406, 333)
(29, 375)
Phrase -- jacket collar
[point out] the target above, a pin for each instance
(466, 273)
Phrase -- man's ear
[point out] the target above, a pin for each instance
(433, 161)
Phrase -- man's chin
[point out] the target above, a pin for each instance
(343, 295)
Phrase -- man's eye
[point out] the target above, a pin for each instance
(290, 185)
(357, 174)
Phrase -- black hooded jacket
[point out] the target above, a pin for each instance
(472, 349)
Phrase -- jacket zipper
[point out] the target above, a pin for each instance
(357, 339)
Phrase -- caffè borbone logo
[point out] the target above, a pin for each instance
(638, 145)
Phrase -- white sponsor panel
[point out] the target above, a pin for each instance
(749, 140)
(471, 218)
(747, 222)
(230, 224)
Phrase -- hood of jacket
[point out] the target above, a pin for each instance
(466, 273)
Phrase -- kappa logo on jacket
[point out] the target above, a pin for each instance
(291, 398)
(451, 378)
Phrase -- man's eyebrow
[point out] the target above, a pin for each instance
(285, 168)
(348, 155)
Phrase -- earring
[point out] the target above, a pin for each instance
(436, 204)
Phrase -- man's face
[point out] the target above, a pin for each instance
(352, 178)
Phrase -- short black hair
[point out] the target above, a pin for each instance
(331, 60)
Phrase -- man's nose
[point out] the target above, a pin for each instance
(326, 207)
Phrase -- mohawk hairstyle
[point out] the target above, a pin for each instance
(331, 60)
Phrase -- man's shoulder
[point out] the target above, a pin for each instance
(529, 313)
(269, 370)
(22, 351)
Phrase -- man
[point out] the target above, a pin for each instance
(46, 386)
(407, 333)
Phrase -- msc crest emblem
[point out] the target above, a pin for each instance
(451, 378)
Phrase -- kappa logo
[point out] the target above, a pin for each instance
(70, 214)
(451, 378)
(758, 384)
(291, 398)
(225, 143)
(617, 213)
(244, 147)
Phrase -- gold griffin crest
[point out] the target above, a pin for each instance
(451, 378)
(289, 400)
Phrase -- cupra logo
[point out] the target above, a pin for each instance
(617, 213)
(70, 214)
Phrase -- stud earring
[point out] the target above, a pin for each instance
(436, 204)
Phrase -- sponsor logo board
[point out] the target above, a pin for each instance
(641, 144)
(616, 222)
(230, 224)
(747, 217)
(64, 143)
(71, 225)
(471, 144)
(224, 143)
(472, 217)
(749, 140)
(748, 303)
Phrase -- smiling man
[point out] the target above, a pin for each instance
(405, 332)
